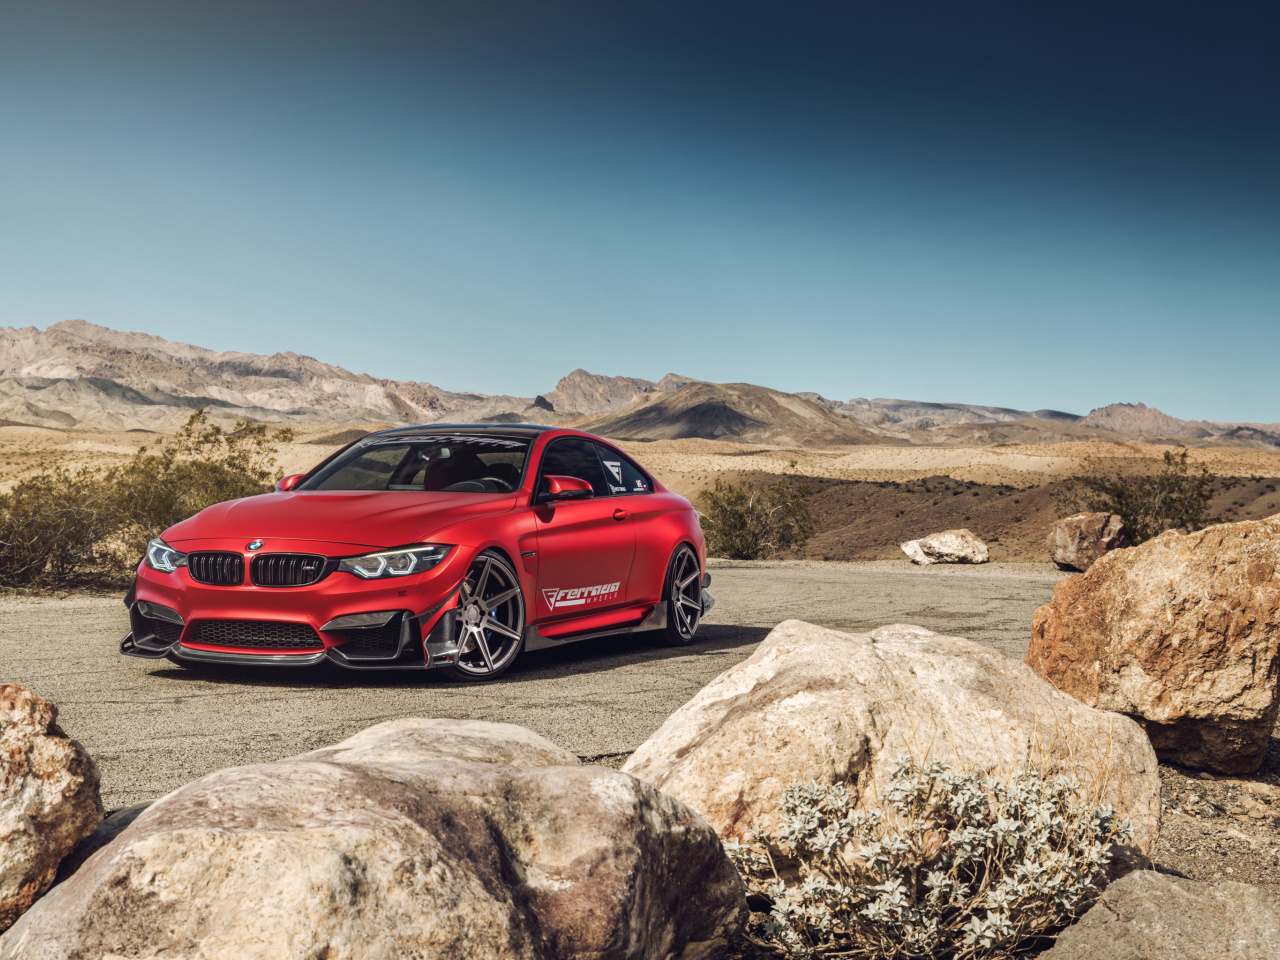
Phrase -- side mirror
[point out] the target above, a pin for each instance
(564, 488)
(289, 482)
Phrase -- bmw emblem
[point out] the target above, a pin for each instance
(256, 545)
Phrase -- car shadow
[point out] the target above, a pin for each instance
(729, 642)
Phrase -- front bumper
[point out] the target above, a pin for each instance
(173, 616)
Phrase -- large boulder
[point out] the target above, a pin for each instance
(415, 838)
(1076, 542)
(110, 828)
(949, 546)
(1150, 916)
(1183, 634)
(48, 798)
(817, 704)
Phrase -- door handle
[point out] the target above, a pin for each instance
(620, 514)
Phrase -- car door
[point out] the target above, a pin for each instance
(632, 491)
(585, 547)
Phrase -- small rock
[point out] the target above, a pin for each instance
(912, 549)
(1076, 542)
(48, 798)
(1151, 916)
(949, 546)
(1263, 790)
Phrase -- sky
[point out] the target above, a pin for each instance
(1050, 205)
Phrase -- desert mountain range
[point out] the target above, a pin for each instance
(77, 375)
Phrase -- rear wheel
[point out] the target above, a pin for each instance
(490, 620)
(683, 595)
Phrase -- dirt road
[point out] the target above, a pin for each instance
(153, 726)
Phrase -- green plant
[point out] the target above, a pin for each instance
(62, 528)
(199, 466)
(748, 523)
(1176, 498)
(951, 866)
(53, 527)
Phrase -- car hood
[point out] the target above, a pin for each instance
(362, 518)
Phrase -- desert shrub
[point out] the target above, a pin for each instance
(199, 466)
(53, 529)
(748, 523)
(64, 528)
(951, 865)
(1176, 498)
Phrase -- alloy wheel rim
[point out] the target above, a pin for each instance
(490, 618)
(686, 594)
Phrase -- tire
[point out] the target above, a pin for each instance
(682, 593)
(490, 620)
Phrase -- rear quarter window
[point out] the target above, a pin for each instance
(623, 476)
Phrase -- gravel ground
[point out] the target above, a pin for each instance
(153, 726)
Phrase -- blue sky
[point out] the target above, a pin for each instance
(1049, 205)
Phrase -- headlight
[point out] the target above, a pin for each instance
(162, 557)
(395, 563)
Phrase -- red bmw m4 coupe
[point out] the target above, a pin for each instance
(449, 547)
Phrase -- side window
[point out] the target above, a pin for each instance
(571, 457)
(621, 474)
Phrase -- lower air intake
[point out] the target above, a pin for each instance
(166, 632)
(373, 642)
(264, 634)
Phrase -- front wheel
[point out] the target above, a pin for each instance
(683, 596)
(490, 620)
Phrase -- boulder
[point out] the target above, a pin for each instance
(1076, 542)
(107, 830)
(817, 704)
(949, 546)
(1183, 634)
(1151, 916)
(48, 798)
(912, 549)
(415, 838)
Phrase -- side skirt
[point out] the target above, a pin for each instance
(655, 620)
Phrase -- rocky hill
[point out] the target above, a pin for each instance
(965, 423)
(1139, 420)
(76, 375)
(79, 375)
(1143, 421)
(918, 415)
(738, 411)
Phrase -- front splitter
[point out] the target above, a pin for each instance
(178, 653)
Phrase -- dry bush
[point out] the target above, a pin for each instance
(199, 466)
(950, 865)
(64, 528)
(54, 527)
(746, 523)
(1173, 499)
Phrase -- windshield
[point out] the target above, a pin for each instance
(454, 462)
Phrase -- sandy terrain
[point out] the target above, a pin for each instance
(687, 465)
(28, 450)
